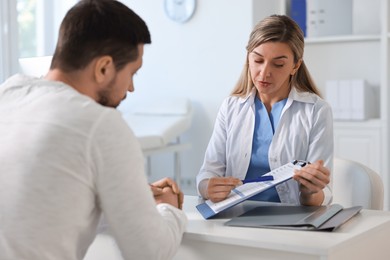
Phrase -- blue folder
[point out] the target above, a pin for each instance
(298, 13)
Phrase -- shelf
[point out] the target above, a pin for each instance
(370, 123)
(347, 57)
(343, 38)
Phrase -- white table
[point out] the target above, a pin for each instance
(365, 236)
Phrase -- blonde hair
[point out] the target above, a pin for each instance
(277, 28)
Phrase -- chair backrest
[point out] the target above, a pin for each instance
(354, 184)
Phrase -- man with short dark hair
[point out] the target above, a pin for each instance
(66, 154)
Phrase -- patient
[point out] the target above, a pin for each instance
(274, 115)
(67, 156)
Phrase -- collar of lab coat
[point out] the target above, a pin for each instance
(305, 97)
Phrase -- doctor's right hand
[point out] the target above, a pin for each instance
(218, 188)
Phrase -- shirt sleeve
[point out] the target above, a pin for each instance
(141, 229)
(214, 164)
(321, 142)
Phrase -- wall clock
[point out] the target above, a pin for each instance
(179, 10)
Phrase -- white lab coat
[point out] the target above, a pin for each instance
(305, 132)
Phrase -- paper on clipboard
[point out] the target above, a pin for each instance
(245, 191)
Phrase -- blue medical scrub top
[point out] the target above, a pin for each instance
(265, 125)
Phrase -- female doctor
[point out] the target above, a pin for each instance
(274, 115)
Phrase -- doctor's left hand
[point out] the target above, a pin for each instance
(312, 179)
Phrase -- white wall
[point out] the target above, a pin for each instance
(201, 59)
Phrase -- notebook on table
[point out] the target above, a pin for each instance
(314, 218)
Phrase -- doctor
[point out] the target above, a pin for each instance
(274, 115)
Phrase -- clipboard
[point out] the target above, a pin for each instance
(285, 172)
(311, 218)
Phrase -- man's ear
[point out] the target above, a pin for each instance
(104, 69)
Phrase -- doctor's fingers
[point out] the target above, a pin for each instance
(219, 192)
(216, 196)
(308, 187)
(313, 182)
(317, 166)
(224, 181)
(317, 178)
(314, 171)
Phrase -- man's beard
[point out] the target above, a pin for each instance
(104, 95)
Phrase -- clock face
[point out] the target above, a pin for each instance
(179, 10)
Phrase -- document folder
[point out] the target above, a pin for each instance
(314, 218)
(285, 172)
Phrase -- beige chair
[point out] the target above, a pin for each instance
(356, 185)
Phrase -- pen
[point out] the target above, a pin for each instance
(260, 179)
(300, 162)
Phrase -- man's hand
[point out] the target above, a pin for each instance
(168, 196)
(164, 189)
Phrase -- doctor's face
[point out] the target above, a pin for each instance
(271, 64)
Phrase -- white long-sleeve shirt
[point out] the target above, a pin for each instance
(305, 132)
(64, 159)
